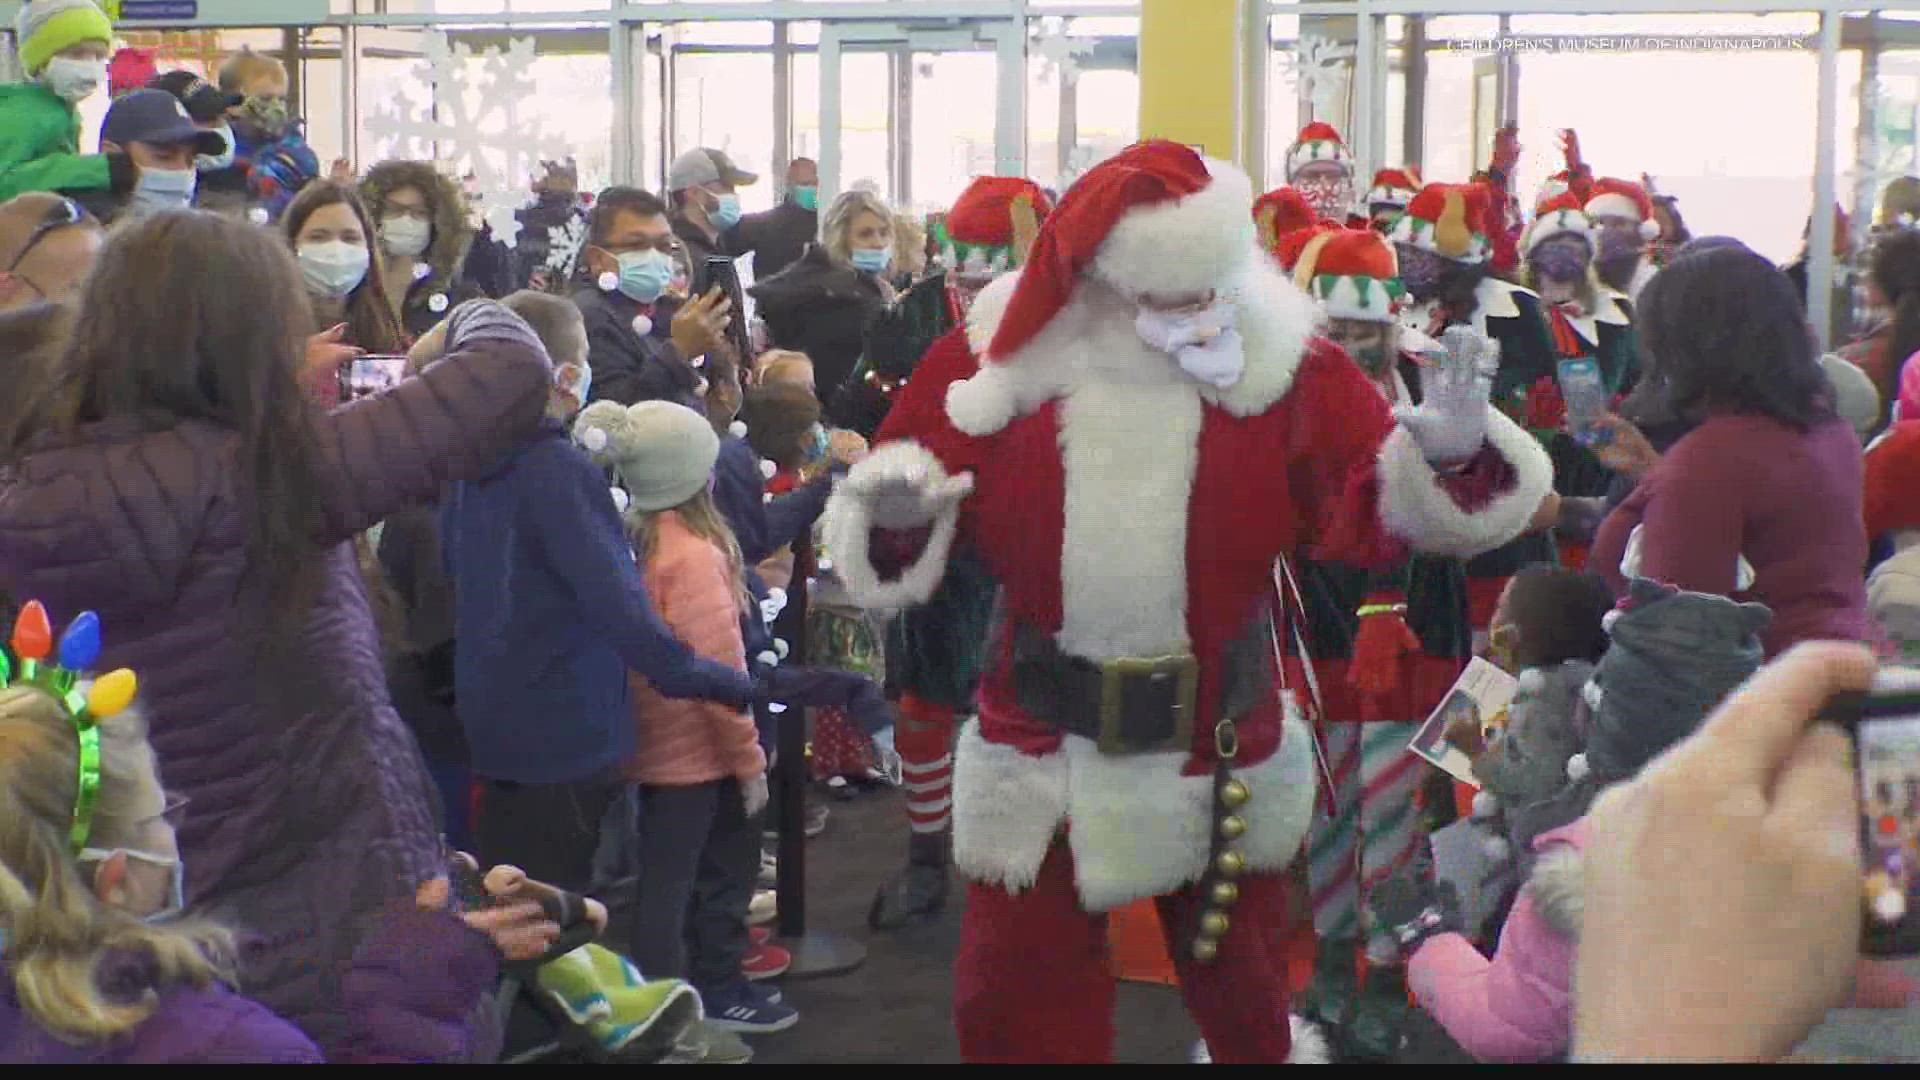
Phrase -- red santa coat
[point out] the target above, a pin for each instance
(1131, 511)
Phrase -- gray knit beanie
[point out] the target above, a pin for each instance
(1674, 657)
(663, 452)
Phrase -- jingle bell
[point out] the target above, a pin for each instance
(1225, 893)
(1234, 794)
(1230, 863)
(1213, 925)
(1205, 951)
(1233, 827)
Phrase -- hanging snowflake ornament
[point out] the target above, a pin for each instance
(1320, 69)
(564, 245)
(473, 124)
(1058, 52)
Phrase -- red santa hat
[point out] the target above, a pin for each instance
(1555, 186)
(983, 214)
(1558, 216)
(1154, 218)
(1352, 272)
(1318, 142)
(1290, 214)
(1614, 197)
(1394, 187)
(1446, 219)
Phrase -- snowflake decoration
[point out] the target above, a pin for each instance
(564, 244)
(1058, 51)
(1320, 69)
(474, 125)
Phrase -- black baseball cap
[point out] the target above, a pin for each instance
(205, 102)
(159, 118)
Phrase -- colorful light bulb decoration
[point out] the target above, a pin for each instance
(80, 645)
(32, 632)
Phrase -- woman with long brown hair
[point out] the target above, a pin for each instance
(333, 240)
(184, 487)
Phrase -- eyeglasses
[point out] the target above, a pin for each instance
(61, 215)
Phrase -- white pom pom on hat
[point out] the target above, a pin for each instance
(1577, 768)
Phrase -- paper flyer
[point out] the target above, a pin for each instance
(1478, 700)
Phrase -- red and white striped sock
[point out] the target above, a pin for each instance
(924, 739)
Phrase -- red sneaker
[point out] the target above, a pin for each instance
(759, 935)
(765, 962)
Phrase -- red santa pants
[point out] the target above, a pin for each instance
(1033, 985)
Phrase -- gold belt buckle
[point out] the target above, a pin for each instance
(1113, 682)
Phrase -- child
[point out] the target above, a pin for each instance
(63, 47)
(268, 141)
(1548, 615)
(701, 769)
(785, 366)
(1674, 656)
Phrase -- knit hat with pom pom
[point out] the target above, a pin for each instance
(663, 452)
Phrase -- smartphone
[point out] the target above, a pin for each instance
(720, 273)
(1885, 725)
(364, 376)
(469, 889)
(1585, 394)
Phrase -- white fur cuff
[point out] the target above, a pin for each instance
(1415, 505)
(848, 533)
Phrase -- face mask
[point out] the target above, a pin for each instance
(164, 189)
(1204, 343)
(1619, 255)
(405, 237)
(1373, 357)
(269, 114)
(817, 449)
(872, 260)
(807, 197)
(222, 160)
(1420, 271)
(176, 900)
(333, 269)
(1329, 197)
(1562, 263)
(644, 275)
(74, 81)
(727, 214)
(580, 386)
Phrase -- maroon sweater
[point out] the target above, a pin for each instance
(1790, 503)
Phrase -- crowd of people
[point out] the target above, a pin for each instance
(380, 599)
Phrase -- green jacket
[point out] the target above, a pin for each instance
(40, 145)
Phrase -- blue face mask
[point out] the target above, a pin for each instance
(727, 214)
(872, 260)
(807, 197)
(176, 901)
(644, 275)
(164, 189)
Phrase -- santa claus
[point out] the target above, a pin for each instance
(1127, 434)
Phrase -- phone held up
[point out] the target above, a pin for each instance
(1585, 393)
(1885, 725)
(365, 376)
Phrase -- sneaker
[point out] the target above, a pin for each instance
(816, 821)
(743, 1009)
(769, 871)
(765, 962)
(763, 909)
(759, 935)
(705, 1043)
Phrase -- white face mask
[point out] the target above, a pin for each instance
(222, 160)
(175, 900)
(164, 189)
(405, 237)
(74, 80)
(333, 269)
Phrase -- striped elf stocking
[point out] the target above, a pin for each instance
(1374, 830)
(924, 739)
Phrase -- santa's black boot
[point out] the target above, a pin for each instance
(921, 889)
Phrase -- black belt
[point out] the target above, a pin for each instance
(1135, 705)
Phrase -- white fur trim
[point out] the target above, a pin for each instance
(1139, 828)
(1123, 571)
(1315, 152)
(1189, 245)
(1558, 884)
(1343, 300)
(1309, 1045)
(1390, 196)
(1558, 223)
(1092, 339)
(1415, 506)
(1614, 204)
(848, 534)
(983, 317)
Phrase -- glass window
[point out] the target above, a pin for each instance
(725, 101)
(951, 135)
(866, 95)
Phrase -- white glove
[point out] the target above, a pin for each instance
(903, 493)
(754, 795)
(1450, 425)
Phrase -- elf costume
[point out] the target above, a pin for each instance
(1279, 214)
(1448, 221)
(1330, 192)
(1098, 453)
(936, 649)
(1392, 190)
(1386, 645)
(1594, 323)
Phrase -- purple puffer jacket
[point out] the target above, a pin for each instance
(301, 822)
(409, 997)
